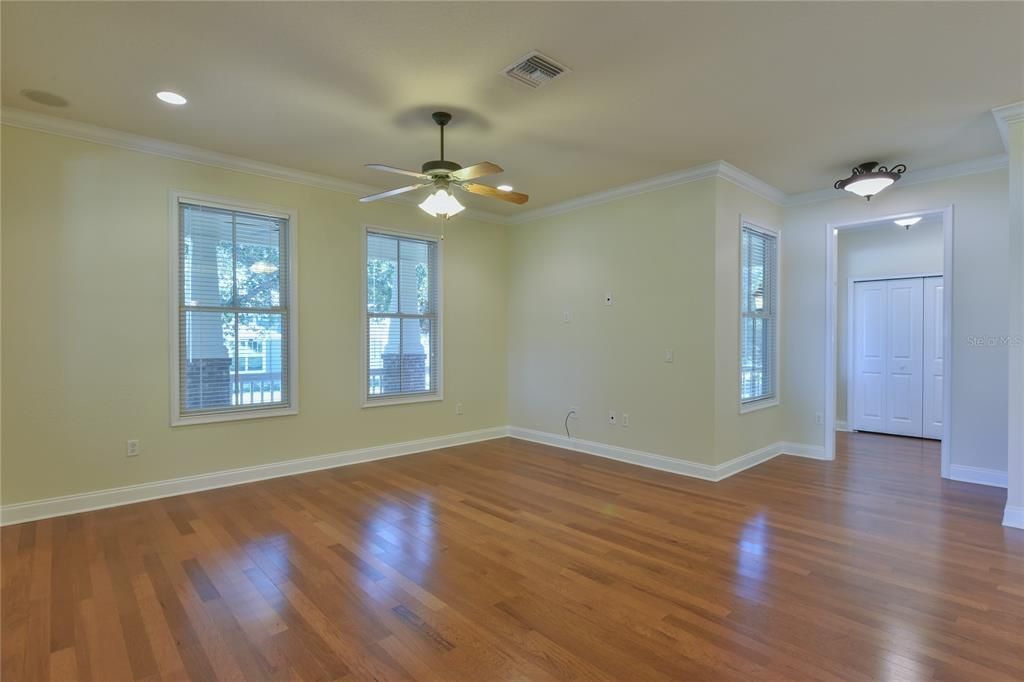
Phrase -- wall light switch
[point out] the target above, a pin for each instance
(670, 355)
(566, 316)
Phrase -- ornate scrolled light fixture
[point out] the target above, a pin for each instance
(868, 179)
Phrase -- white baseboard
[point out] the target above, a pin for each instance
(112, 497)
(802, 450)
(969, 474)
(842, 426)
(1013, 517)
(684, 467)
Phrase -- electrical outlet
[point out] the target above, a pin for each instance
(625, 420)
(819, 419)
(133, 449)
(574, 413)
(458, 408)
(608, 298)
(611, 417)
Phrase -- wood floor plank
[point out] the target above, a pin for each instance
(512, 560)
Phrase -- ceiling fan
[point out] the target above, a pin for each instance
(443, 176)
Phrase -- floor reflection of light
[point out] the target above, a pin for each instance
(751, 562)
(404, 540)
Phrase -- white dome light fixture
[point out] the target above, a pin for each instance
(868, 179)
(505, 188)
(171, 98)
(907, 223)
(442, 204)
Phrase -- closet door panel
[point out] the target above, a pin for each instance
(903, 357)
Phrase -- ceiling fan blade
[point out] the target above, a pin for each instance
(477, 170)
(400, 171)
(392, 192)
(495, 193)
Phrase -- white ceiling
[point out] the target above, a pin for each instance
(794, 93)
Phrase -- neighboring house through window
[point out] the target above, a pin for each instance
(234, 352)
(759, 281)
(402, 324)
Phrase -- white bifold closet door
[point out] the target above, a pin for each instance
(933, 366)
(897, 364)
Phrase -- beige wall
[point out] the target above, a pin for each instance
(980, 273)
(85, 322)
(888, 251)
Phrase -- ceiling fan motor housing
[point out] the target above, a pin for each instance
(439, 166)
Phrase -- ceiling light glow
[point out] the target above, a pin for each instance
(868, 179)
(171, 97)
(908, 222)
(442, 204)
(505, 188)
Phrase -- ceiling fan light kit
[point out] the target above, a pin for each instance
(442, 175)
(868, 179)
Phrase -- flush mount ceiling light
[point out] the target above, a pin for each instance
(505, 188)
(171, 97)
(908, 222)
(868, 179)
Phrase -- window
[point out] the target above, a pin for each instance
(402, 324)
(759, 277)
(234, 353)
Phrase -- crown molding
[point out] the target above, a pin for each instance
(20, 118)
(55, 125)
(1005, 115)
(934, 174)
(715, 169)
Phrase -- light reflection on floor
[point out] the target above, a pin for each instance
(404, 536)
(751, 565)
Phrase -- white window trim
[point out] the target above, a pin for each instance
(772, 400)
(176, 417)
(438, 395)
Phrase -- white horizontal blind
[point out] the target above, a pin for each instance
(402, 358)
(233, 314)
(758, 314)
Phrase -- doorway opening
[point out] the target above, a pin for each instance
(888, 316)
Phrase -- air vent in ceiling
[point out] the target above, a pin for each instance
(534, 70)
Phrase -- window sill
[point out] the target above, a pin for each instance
(216, 417)
(758, 405)
(402, 400)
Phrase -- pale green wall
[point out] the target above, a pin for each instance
(654, 253)
(85, 322)
(671, 260)
(737, 434)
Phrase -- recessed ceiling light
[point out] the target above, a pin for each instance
(907, 222)
(505, 188)
(170, 97)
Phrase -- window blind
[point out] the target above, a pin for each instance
(403, 354)
(758, 314)
(233, 314)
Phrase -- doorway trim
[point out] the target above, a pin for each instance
(831, 332)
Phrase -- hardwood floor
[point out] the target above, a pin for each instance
(507, 560)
